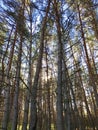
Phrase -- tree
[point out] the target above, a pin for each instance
(59, 82)
(48, 68)
(27, 97)
(18, 68)
(33, 109)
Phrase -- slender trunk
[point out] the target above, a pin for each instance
(18, 67)
(3, 59)
(7, 98)
(69, 84)
(40, 102)
(48, 90)
(27, 98)
(33, 109)
(16, 95)
(59, 81)
(94, 68)
(86, 103)
(87, 58)
(6, 50)
(83, 92)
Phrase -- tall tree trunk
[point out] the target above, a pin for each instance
(20, 30)
(48, 91)
(27, 98)
(7, 98)
(59, 81)
(90, 118)
(33, 109)
(53, 117)
(6, 52)
(87, 59)
(16, 95)
(40, 102)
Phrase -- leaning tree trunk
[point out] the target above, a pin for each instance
(87, 59)
(59, 81)
(33, 109)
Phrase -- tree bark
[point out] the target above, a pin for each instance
(7, 98)
(48, 91)
(59, 80)
(16, 95)
(27, 98)
(33, 109)
(87, 59)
